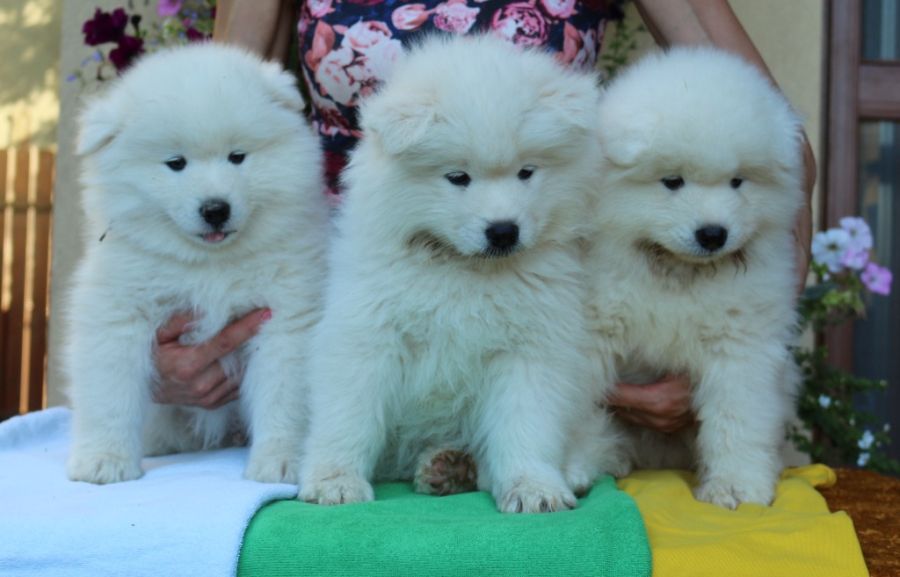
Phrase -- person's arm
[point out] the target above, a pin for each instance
(666, 405)
(713, 22)
(263, 26)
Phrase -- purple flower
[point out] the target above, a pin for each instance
(855, 259)
(105, 27)
(859, 231)
(129, 48)
(877, 279)
(167, 8)
(194, 35)
(828, 248)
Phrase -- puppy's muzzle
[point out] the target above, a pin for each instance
(502, 237)
(711, 237)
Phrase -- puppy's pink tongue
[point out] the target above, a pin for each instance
(214, 236)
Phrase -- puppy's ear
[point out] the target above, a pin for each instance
(282, 86)
(399, 124)
(100, 122)
(625, 134)
(564, 112)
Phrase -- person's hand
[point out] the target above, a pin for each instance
(192, 374)
(664, 405)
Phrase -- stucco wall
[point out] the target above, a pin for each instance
(29, 78)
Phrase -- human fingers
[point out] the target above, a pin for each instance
(222, 394)
(230, 338)
(176, 326)
(189, 389)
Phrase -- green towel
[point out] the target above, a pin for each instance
(403, 533)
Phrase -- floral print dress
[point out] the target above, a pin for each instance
(348, 46)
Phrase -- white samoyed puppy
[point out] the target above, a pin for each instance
(692, 261)
(202, 192)
(453, 311)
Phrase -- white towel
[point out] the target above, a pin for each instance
(185, 516)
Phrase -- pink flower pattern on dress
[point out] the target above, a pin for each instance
(410, 16)
(521, 23)
(559, 8)
(347, 47)
(454, 16)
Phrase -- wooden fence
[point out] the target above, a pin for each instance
(26, 200)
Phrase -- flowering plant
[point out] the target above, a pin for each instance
(838, 433)
(117, 45)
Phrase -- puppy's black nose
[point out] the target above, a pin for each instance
(711, 238)
(215, 211)
(503, 235)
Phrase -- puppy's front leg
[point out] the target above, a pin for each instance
(109, 366)
(522, 430)
(350, 385)
(274, 394)
(742, 417)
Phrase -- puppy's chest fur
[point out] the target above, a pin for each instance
(451, 322)
(678, 324)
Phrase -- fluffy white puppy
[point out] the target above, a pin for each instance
(692, 262)
(202, 193)
(453, 313)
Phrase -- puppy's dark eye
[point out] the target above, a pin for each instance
(673, 182)
(736, 183)
(458, 178)
(237, 157)
(177, 163)
(526, 172)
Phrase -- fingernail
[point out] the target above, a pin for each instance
(266, 315)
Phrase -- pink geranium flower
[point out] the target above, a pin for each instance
(167, 8)
(877, 279)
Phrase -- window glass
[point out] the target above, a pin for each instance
(877, 338)
(881, 30)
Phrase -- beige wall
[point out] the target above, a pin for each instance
(29, 43)
(789, 35)
(67, 242)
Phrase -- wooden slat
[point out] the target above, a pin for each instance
(12, 373)
(842, 147)
(7, 408)
(40, 286)
(879, 91)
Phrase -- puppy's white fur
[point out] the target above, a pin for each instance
(146, 258)
(663, 304)
(426, 339)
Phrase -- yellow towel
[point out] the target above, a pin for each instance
(795, 537)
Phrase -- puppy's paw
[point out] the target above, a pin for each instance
(273, 467)
(103, 468)
(730, 494)
(337, 489)
(446, 472)
(530, 496)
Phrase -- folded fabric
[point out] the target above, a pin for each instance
(403, 533)
(186, 516)
(796, 536)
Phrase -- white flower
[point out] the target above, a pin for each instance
(859, 231)
(887, 427)
(824, 401)
(862, 460)
(828, 247)
(866, 440)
